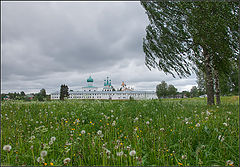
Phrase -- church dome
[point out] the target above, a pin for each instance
(90, 79)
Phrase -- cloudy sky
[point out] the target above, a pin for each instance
(46, 44)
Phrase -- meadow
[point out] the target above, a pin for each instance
(169, 132)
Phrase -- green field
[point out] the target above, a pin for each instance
(165, 132)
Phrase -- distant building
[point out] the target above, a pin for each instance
(108, 92)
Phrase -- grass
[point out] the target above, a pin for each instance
(166, 132)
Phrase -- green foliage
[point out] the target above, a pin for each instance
(163, 90)
(163, 133)
(64, 92)
(194, 91)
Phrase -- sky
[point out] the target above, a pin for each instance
(46, 44)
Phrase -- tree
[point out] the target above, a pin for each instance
(162, 90)
(63, 92)
(184, 36)
(43, 92)
(194, 91)
(172, 91)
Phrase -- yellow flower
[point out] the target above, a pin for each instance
(121, 143)
(100, 120)
(66, 121)
(107, 123)
(171, 130)
(45, 164)
(125, 137)
(88, 133)
(137, 136)
(180, 163)
(73, 122)
(90, 122)
(51, 164)
(80, 134)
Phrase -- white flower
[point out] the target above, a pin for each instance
(43, 153)
(53, 139)
(225, 124)
(40, 159)
(108, 151)
(197, 125)
(161, 129)
(229, 162)
(206, 118)
(119, 153)
(7, 148)
(208, 113)
(99, 132)
(184, 156)
(66, 160)
(136, 119)
(147, 122)
(32, 137)
(114, 123)
(50, 142)
(128, 147)
(112, 116)
(150, 119)
(221, 138)
(83, 132)
(132, 153)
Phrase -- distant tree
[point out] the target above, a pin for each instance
(186, 93)
(43, 92)
(162, 90)
(194, 91)
(63, 92)
(22, 93)
(172, 91)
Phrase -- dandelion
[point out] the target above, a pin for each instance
(161, 129)
(197, 125)
(225, 124)
(179, 163)
(51, 164)
(132, 153)
(7, 148)
(221, 138)
(83, 132)
(99, 132)
(45, 164)
(66, 160)
(53, 139)
(119, 154)
(184, 156)
(229, 162)
(40, 159)
(147, 122)
(50, 142)
(32, 137)
(108, 151)
(43, 153)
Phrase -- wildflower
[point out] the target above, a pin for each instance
(32, 137)
(161, 129)
(221, 138)
(45, 164)
(7, 148)
(184, 156)
(108, 151)
(51, 164)
(66, 160)
(229, 162)
(112, 116)
(50, 142)
(119, 154)
(114, 123)
(83, 132)
(150, 119)
(99, 132)
(40, 159)
(179, 163)
(53, 139)
(147, 122)
(197, 125)
(132, 153)
(225, 124)
(31, 147)
(43, 153)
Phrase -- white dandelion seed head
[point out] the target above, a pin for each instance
(119, 154)
(40, 160)
(43, 153)
(7, 148)
(66, 160)
(99, 132)
(225, 124)
(184, 156)
(50, 142)
(147, 122)
(108, 151)
(132, 153)
(83, 132)
(53, 139)
(229, 162)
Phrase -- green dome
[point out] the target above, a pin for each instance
(90, 79)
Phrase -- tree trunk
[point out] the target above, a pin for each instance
(216, 75)
(209, 78)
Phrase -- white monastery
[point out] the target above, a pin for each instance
(107, 92)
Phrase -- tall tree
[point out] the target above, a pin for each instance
(64, 92)
(185, 35)
(162, 90)
(43, 92)
(172, 91)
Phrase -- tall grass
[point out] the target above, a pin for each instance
(165, 133)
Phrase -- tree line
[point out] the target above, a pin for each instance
(199, 36)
